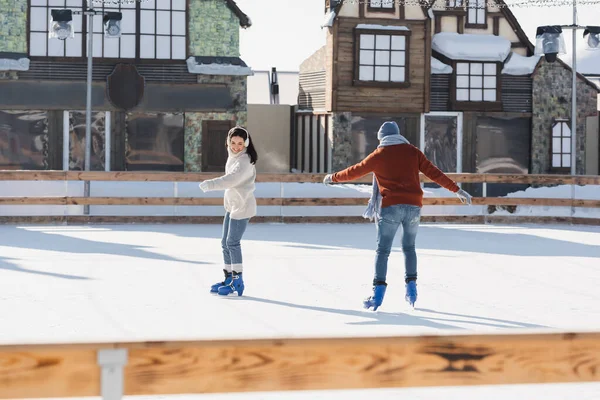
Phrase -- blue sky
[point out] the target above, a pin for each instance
(286, 32)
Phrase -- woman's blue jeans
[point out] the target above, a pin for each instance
(390, 220)
(233, 230)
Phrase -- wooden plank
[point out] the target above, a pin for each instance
(275, 201)
(163, 368)
(353, 363)
(48, 372)
(202, 201)
(300, 178)
(458, 219)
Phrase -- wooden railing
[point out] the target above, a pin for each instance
(163, 368)
(300, 178)
(290, 201)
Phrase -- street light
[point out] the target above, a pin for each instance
(61, 28)
(593, 33)
(550, 43)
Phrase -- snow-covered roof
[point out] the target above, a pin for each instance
(218, 66)
(382, 27)
(520, 65)
(471, 47)
(438, 67)
(13, 62)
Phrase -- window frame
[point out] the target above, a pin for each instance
(476, 105)
(407, 34)
(455, 7)
(391, 10)
(476, 24)
(562, 122)
(109, 60)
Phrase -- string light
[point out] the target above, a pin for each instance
(492, 4)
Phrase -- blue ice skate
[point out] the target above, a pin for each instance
(215, 288)
(411, 293)
(377, 298)
(235, 286)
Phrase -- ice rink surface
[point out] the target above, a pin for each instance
(150, 282)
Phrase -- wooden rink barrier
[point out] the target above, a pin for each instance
(73, 176)
(112, 370)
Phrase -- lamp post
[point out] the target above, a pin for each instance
(549, 42)
(61, 28)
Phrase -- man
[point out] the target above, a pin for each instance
(396, 200)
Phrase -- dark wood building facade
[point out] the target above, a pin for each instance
(464, 86)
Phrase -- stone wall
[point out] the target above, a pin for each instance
(193, 120)
(13, 26)
(551, 99)
(214, 30)
(341, 139)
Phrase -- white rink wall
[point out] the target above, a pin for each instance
(268, 190)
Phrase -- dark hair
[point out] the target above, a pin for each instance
(241, 132)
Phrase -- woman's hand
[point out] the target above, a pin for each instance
(204, 186)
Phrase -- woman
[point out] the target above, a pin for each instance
(396, 200)
(240, 206)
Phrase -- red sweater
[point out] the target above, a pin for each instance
(396, 169)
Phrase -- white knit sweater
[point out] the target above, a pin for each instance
(238, 183)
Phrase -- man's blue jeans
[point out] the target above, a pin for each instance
(390, 220)
(233, 230)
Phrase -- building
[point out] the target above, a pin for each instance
(164, 94)
(459, 77)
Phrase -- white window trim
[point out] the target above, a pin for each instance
(381, 4)
(459, 134)
(483, 88)
(478, 5)
(568, 153)
(389, 65)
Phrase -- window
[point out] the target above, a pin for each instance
(382, 57)
(23, 139)
(155, 142)
(476, 81)
(162, 32)
(561, 145)
(162, 29)
(454, 3)
(382, 5)
(476, 13)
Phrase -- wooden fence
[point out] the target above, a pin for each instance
(162, 368)
(287, 201)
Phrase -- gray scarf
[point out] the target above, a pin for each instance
(373, 210)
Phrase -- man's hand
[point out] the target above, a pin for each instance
(328, 180)
(464, 197)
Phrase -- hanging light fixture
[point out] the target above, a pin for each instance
(549, 42)
(61, 26)
(593, 34)
(112, 24)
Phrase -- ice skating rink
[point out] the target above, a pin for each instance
(151, 282)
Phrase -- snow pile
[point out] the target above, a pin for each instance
(11, 64)
(471, 47)
(438, 67)
(217, 69)
(520, 65)
(588, 192)
(382, 27)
